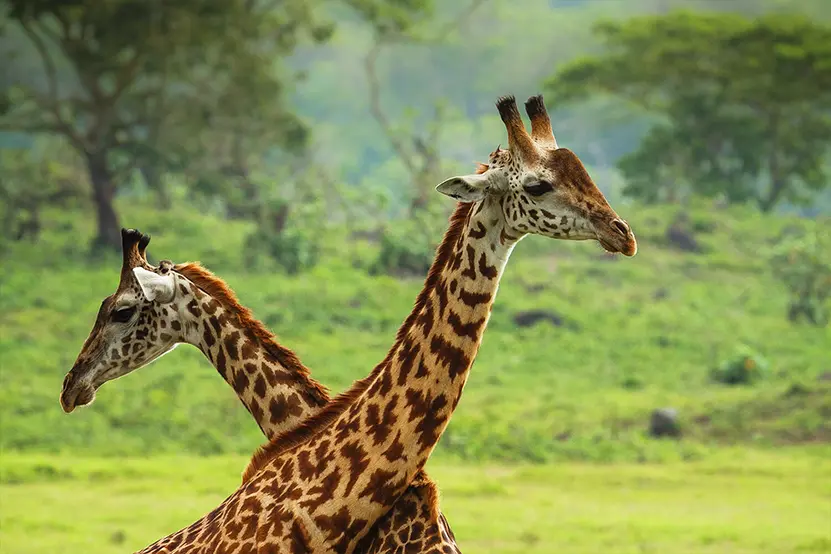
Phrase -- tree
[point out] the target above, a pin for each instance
(744, 106)
(35, 178)
(418, 153)
(220, 140)
(117, 75)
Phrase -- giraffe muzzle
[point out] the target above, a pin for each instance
(75, 392)
(617, 237)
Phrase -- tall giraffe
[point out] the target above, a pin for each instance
(269, 380)
(322, 486)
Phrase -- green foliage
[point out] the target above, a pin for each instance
(534, 391)
(405, 250)
(293, 249)
(108, 76)
(743, 102)
(390, 17)
(290, 223)
(403, 253)
(744, 367)
(639, 335)
(802, 262)
(33, 180)
(196, 89)
(408, 246)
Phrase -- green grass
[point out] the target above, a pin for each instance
(639, 334)
(738, 502)
(547, 451)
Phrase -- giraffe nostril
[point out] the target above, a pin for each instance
(67, 380)
(621, 227)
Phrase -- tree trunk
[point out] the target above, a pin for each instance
(777, 181)
(280, 218)
(103, 194)
(153, 179)
(777, 186)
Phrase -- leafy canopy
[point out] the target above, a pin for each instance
(743, 106)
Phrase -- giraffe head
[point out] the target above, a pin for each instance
(540, 188)
(135, 325)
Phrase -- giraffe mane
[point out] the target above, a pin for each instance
(341, 403)
(219, 290)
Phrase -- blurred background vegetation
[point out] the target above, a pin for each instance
(293, 146)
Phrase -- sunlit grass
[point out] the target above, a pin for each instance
(739, 501)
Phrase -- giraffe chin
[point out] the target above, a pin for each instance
(80, 395)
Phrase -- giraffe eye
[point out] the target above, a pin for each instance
(123, 315)
(538, 188)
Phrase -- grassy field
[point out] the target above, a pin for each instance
(547, 451)
(632, 335)
(738, 503)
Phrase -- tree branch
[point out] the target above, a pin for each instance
(459, 20)
(20, 127)
(126, 76)
(35, 122)
(370, 67)
(50, 104)
(375, 106)
(46, 58)
(104, 122)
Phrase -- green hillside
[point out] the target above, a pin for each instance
(623, 337)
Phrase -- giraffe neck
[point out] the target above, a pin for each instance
(426, 370)
(385, 428)
(268, 379)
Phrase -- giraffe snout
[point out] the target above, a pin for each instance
(75, 392)
(616, 236)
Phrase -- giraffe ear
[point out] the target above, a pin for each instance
(467, 188)
(156, 288)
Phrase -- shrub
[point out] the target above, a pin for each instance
(293, 248)
(408, 246)
(802, 263)
(744, 367)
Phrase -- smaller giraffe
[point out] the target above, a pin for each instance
(141, 322)
(269, 380)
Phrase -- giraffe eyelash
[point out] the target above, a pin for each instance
(538, 188)
(123, 315)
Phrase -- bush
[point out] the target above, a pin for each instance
(33, 180)
(293, 248)
(802, 263)
(744, 367)
(408, 246)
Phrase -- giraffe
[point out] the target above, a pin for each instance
(269, 379)
(321, 486)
